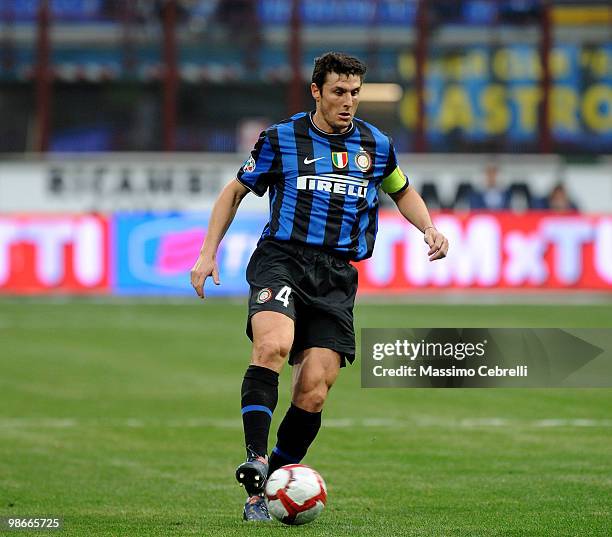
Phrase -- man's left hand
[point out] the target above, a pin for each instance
(438, 243)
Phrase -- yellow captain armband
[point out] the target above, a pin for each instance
(395, 182)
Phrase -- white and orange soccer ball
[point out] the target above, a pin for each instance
(296, 494)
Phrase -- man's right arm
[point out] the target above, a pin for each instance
(221, 217)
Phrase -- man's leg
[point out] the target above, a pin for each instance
(272, 339)
(314, 372)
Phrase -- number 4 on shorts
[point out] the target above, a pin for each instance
(283, 295)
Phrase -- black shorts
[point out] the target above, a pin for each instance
(312, 287)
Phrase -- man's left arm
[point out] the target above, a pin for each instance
(413, 208)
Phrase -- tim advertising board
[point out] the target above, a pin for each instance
(54, 253)
(152, 253)
(501, 251)
(493, 251)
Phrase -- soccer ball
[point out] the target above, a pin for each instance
(296, 494)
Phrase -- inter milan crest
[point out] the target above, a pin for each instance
(249, 165)
(363, 160)
(340, 159)
(264, 295)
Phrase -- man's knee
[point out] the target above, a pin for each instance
(311, 400)
(269, 352)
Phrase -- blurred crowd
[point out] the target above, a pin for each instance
(495, 195)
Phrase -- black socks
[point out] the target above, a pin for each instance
(295, 434)
(259, 397)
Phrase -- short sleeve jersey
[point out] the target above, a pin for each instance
(323, 187)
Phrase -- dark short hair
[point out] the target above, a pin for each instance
(336, 62)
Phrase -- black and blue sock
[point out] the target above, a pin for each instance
(259, 396)
(295, 434)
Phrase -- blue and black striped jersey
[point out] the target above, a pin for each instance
(323, 187)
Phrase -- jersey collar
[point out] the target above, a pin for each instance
(350, 130)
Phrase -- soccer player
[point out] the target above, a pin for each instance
(323, 171)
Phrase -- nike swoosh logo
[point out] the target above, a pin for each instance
(310, 161)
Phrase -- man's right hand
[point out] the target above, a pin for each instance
(221, 217)
(204, 267)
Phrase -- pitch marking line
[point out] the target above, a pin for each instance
(194, 423)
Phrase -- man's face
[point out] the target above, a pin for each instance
(337, 100)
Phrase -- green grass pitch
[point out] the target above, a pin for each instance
(123, 418)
